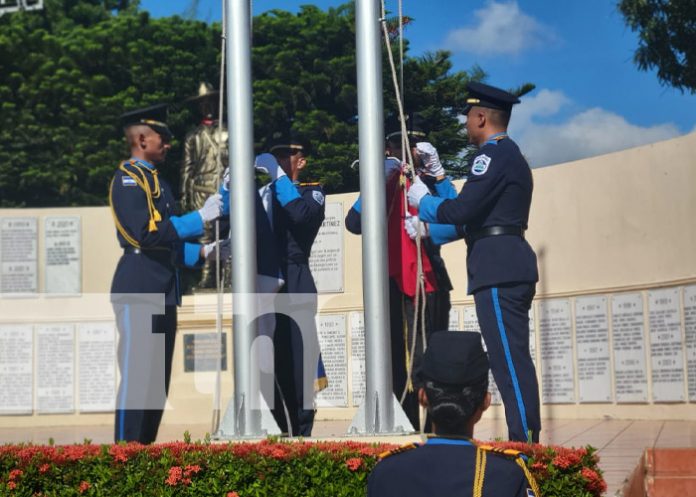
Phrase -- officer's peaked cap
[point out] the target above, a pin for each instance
(455, 358)
(154, 116)
(290, 141)
(416, 127)
(482, 95)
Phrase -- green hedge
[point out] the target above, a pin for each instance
(267, 468)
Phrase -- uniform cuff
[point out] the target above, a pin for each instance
(443, 233)
(357, 206)
(427, 210)
(192, 255)
(225, 201)
(285, 190)
(188, 226)
(445, 188)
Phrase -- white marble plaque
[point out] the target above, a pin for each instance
(96, 344)
(18, 254)
(326, 258)
(357, 357)
(55, 369)
(628, 331)
(666, 353)
(63, 255)
(532, 336)
(453, 324)
(592, 349)
(332, 339)
(16, 369)
(690, 332)
(470, 320)
(557, 376)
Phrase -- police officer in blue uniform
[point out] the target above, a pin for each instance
(494, 206)
(297, 213)
(402, 306)
(454, 390)
(145, 287)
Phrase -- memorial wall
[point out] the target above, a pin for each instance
(613, 325)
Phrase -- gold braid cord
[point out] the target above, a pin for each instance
(480, 472)
(141, 180)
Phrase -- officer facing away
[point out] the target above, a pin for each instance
(494, 205)
(145, 289)
(454, 376)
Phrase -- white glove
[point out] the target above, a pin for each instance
(226, 180)
(430, 159)
(210, 253)
(212, 209)
(414, 227)
(417, 191)
(267, 163)
(391, 165)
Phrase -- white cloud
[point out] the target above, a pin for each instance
(592, 132)
(501, 28)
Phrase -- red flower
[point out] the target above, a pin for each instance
(84, 486)
(15, 473)
(232, 494)
(595, 483)
(562, 461)
(44, 468)
(354, 463)
(175, 476)
(11, 485)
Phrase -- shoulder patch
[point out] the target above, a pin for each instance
(127, 181)
(398, 450)
(480, 165)
(318, 197)
(530, 493)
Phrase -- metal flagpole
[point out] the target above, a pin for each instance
(241, 420)
(380, 413)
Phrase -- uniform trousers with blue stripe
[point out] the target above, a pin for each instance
(503, 315)
(145, 351)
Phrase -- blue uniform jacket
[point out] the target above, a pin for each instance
(444, 467)
(298, 212)
(498, 192)
(154, 269)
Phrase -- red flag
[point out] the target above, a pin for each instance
(403, 255)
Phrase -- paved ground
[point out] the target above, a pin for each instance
(620, 442)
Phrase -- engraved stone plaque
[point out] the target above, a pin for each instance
(18, 254)
(201, 354)
(592, 346)
(326, 258)
(690, 331)
(63, 255)
(16, 375)
(55, 368)
(332, 340)
(471, 324)
(96, 346)
(454, 318)
(357, 357)
(667, 357)
(630, 375)
(556, 352)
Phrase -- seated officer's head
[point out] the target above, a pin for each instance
(291, 151)
(454, 382)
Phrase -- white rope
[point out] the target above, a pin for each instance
(405, 147)
(217, 397)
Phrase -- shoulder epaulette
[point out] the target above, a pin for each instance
(520, 459)
(398, 450)
(310, 184)
(511, 453)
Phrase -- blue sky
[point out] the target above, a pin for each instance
(590, 97)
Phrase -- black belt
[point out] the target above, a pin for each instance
(494, 231)
(146, 251)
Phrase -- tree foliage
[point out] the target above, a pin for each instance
(666, 30)
(68, 71)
